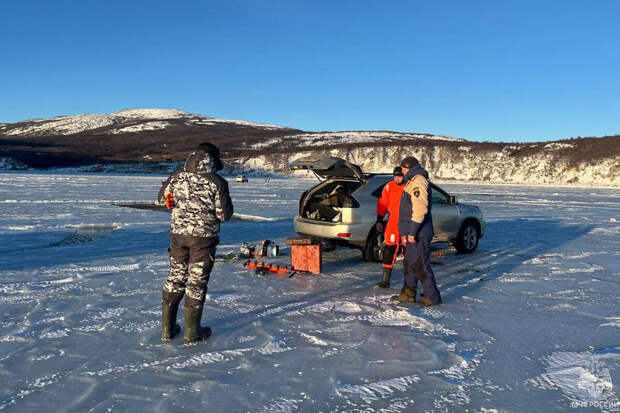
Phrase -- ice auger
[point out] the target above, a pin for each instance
(262, 267)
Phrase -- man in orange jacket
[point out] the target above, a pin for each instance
(389, 203)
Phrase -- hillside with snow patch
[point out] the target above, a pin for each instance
(345, 137)
(594, 161)
(148, 136)
(126, 120)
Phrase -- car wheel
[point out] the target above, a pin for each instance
(467, 240)
(372, 250)
(328, 246)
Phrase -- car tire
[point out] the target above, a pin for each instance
(468, 237)
(328, 246)
(372, 250)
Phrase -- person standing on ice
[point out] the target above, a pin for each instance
(390, 203)
(200, 201)
(416, 228)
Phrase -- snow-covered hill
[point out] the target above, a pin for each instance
(168, 135)
(126, 120)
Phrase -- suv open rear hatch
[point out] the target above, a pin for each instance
(328, 167)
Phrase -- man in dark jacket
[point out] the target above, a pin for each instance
(199, 200)
(416, 228)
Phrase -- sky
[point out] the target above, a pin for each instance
(480, 70)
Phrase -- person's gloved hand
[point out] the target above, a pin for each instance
(169, 201)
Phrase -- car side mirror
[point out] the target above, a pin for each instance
(453, 200)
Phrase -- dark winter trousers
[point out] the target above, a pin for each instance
(191, 262)
(418, 268)
(390, 253)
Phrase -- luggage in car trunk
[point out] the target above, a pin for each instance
(324, 202)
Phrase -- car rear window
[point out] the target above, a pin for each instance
(377, 192)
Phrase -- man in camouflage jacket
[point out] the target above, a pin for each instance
(200, 201)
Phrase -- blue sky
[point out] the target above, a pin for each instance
(481, 70)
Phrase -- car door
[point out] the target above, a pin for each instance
(445, 215)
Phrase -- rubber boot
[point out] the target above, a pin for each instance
(385, 281)
(193, 331)
(169, 326)
(406, 296)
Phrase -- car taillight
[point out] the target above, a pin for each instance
(344, 235)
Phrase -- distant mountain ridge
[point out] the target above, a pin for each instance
(164, 135)
(126, 120)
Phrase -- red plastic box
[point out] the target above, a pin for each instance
(306, 254)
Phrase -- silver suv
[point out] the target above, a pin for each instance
(341, 209)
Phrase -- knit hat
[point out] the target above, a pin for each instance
(398, 171)
(409, 162)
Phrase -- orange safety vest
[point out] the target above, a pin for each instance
(390, 202)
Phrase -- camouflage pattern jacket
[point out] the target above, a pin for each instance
(201, 198)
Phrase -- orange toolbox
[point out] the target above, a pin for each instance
(306, 254)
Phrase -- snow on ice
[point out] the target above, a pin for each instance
(529, 322)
